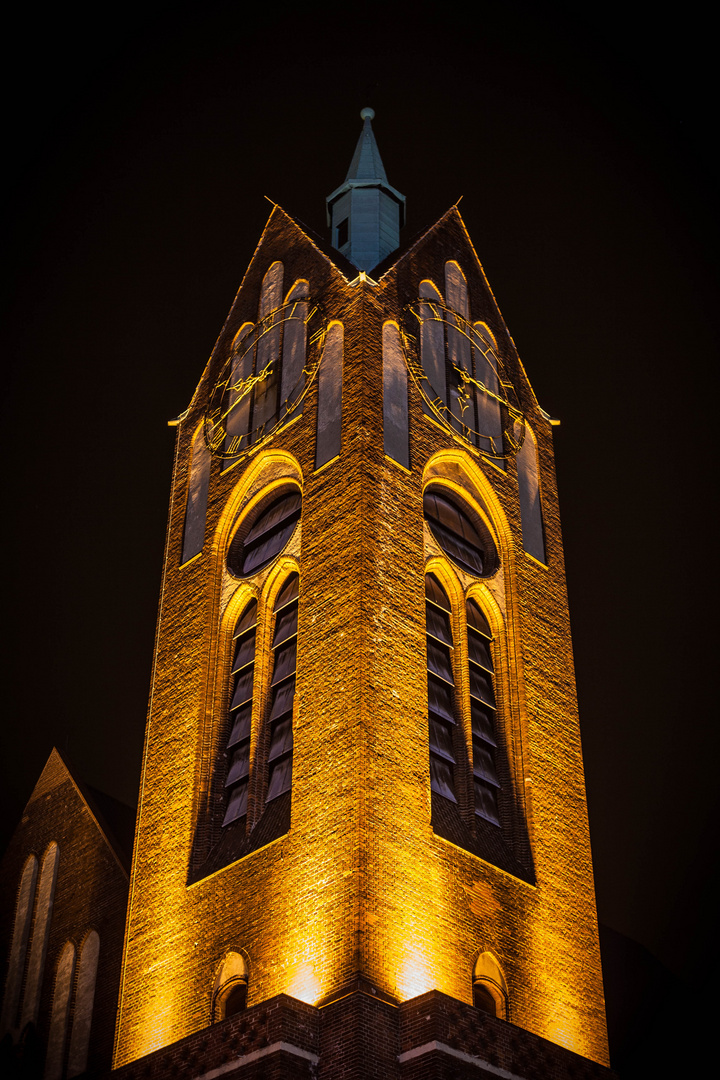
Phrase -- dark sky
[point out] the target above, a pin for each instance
(139, 152)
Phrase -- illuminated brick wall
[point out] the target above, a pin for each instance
(361, 884)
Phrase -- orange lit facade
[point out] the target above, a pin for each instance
(361, 889)
(362, 845)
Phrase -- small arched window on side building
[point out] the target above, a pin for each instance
(490, 993)
(18, 945)
(60, 1013)
(231, 987)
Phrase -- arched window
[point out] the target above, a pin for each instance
(482, 713)
(266, 377)
(466, 541)
(441, 689)
(60, 1013)
(282, 688)
(531, 515)
(18, 945)
(231, 987)
(490, 993)
(197, 497)
(238, 745)
(264, 534)
(40, 934)
(83, 1007)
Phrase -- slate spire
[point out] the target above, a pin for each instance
(365, 213)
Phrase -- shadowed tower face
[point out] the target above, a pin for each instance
(363, 798)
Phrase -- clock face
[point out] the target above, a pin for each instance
(263, 382)
(455, 365)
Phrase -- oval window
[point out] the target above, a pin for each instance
(264, 534)
(461, 534)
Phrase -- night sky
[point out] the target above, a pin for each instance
(139, 152)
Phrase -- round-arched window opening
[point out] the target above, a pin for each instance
(264, 533)
(461, 534)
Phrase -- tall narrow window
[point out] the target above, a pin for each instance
(282, 688)
(238, 745)
(40, 934)
(531, 515)
(441, 689)
(60, 1013)
(197, 497)
(18, 946)
(84, 1002)
(482, 710)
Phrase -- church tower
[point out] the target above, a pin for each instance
(362, 845)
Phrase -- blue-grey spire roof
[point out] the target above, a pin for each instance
(367, 163)
(366, 213)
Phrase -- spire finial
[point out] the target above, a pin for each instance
(367, 114)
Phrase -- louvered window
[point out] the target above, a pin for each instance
(441, 713)
(267, 536)
(482, 709)
(238, 745)
(466, 542)
(282, 689)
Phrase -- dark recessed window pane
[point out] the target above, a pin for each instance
(267, 536)
(484, 763)
(441, 739)
(483, 999)
(438, 624)
(285, 659)
(236, 1000)
(483, 724)
(470, 546)
(282, 701)
(241, 725)
(481, 685)
(280, 778)
(477, 620)
(435, 592)
(274, 517)
(267, 549)
(244, 689)
(486, 801)
(285, 624)
(479, 650)
(440, 699)
(245, 653)
(281, 741)
(247, 620)
(290, 591)
(237, 804)
(239, 764)
(441, 777)
(438, 660)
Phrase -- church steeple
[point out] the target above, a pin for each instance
(365, 213)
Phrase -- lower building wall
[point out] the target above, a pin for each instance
(359, 1036)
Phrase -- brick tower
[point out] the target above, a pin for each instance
(362, 846)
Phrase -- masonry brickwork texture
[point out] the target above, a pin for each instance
(362, 912)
